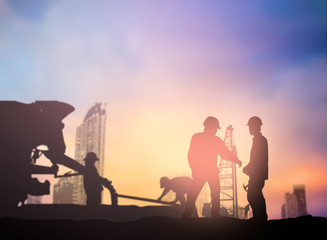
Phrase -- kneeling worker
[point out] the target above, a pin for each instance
(92, 184)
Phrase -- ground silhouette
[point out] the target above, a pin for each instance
(306, 227)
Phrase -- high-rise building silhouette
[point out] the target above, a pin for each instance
(290, 206)
(90, 137)
(34, 199)
(295, 203)
(299, 192)
(63, 191)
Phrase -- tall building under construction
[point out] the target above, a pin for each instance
(90, 137)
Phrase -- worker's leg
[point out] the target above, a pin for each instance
(180, 197)
(193, 195)
(93, 198)
(214, 184)
(256, 199)
(98, 198)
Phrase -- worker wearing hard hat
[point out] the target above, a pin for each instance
(179, 185)
(202, 157)
(257, 169)
(92, 184)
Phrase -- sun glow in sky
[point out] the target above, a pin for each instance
(162, 67)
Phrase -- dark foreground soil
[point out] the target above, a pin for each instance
(306, 227)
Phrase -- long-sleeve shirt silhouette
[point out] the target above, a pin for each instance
(92, 182)
(258, 166)
(204, 150)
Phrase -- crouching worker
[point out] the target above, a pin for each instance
(92, 184)
(179, 185)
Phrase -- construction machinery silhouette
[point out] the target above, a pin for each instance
(24, 127)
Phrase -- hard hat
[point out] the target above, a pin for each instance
(254, 121)
(91, 156)
(211, 122)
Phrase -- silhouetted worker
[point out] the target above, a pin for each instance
(257, 169)
(179, 185)
(92, 184)
(202, 157)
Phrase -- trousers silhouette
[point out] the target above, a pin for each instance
(256, 199)
(197, 185)
(93, 198)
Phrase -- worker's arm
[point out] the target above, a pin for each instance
(259, 159)
(247, 168)
(226, 154)
(165, 191)
(175, 201)
(191, 156)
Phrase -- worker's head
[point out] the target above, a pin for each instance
(211, 124)
(254, 124)
(91, 157)
(164, 181)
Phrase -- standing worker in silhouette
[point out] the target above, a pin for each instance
(179, 185)
(202, 157)
(257, 169)
(92, 184)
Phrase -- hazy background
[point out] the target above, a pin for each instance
(162, 67)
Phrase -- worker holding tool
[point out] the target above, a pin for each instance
(257, 169)
(202, 157)
(179, 185)
(92, 181)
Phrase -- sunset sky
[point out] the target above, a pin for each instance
(162, 67)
